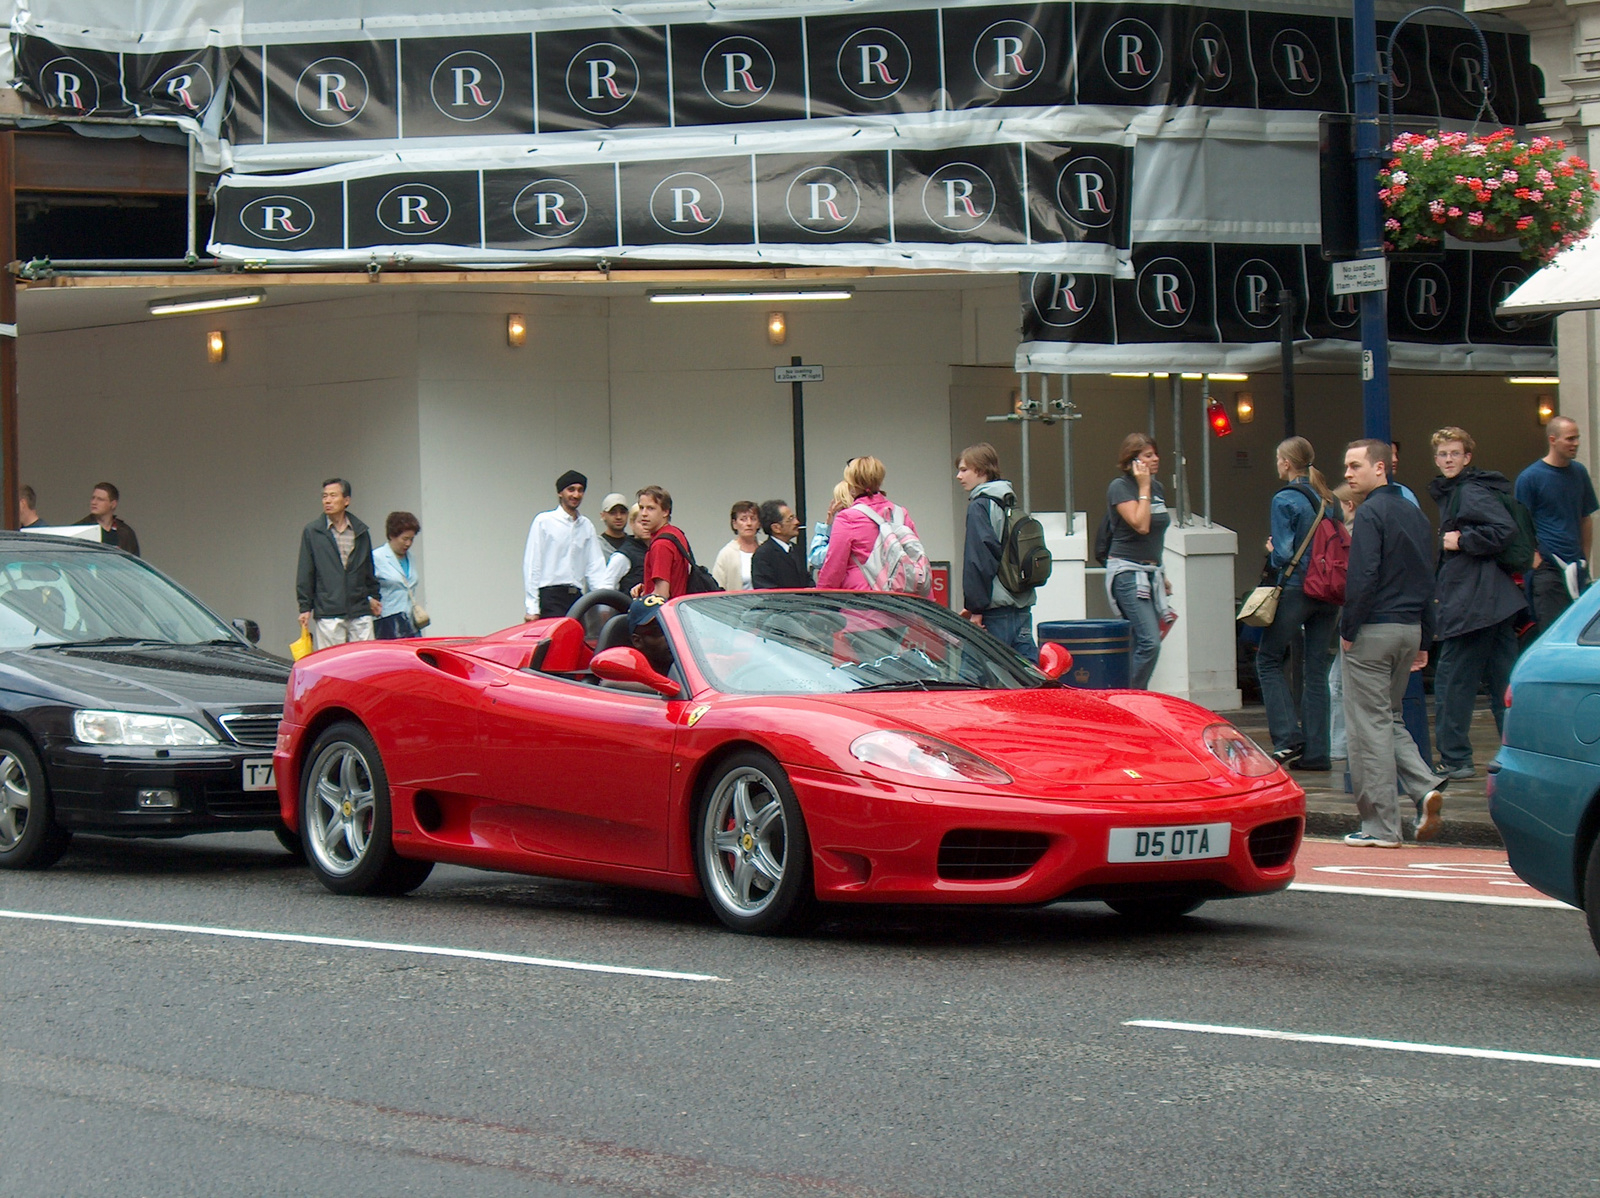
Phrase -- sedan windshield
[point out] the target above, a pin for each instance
(55, 597)
(823, 642)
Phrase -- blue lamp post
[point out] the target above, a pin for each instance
(1369, 235)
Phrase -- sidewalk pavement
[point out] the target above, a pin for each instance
(1330, 811)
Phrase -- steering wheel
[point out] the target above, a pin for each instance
(615, 600)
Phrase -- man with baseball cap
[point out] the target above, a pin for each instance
(644, 628)
(615, 538)
(563, 555)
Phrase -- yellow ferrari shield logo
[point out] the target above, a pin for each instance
(694, 716)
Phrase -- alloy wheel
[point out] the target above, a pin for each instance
(342, 816)
(16, 800)
(748, 834)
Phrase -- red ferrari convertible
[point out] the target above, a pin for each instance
(785, 749)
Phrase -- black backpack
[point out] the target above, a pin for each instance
(701, 581)
(1102, 539)
(1516, 555)
(1025, 560)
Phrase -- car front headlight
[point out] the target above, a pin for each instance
(925, 757)
(1237, 751)
(134, 728)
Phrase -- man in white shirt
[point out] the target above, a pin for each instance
(563, 554)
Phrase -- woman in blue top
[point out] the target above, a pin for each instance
(397, 578)
(1299, 730)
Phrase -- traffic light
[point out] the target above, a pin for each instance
(1217, 416)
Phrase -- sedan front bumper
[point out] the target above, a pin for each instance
(95, 788)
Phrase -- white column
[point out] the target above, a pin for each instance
(1197, 659)
(1063, 598)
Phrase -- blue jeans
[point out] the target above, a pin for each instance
(1143, 626)
(1465, 663)
(1013, 626)
(1299, 725)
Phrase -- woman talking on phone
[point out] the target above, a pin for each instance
(1135, 582)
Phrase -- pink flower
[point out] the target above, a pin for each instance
(1536, 195)
(1474, 219)
(1392, 225)
(1523, 222)
(1436, 207)
(1509, 177)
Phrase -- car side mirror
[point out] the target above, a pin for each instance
(249, 629)
(1054, 660)
(626, 664)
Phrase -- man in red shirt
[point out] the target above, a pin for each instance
(666, 564)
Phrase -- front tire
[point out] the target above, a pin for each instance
(1591, 894)
(346, 821)
(1155, 910)
(29, 836)
(752, 850)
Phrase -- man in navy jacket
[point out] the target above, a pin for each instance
(1386, 628)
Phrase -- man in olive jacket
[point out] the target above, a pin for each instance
(336, 585)
(1479, 605)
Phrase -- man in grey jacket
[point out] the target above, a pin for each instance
(1385, 628)
(1007, 615)
(1479, 606)
(335, 585)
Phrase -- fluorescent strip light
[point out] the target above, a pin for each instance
(744, 297)
(1536, 380)
(208, 303)
(1131, 374)
(1230, 378)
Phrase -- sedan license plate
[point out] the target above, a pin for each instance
(258, 774)
(1193, 842)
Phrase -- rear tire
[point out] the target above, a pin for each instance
(346, 820)
(752, 850)
(1155, 910)
(29, 835)
(1591, 893)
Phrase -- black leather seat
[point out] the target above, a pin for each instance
(615, 634)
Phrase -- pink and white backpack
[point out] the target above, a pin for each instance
(898, 561)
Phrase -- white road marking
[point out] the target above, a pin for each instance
(1443, 1050)
(429, 950)
(1436, 896)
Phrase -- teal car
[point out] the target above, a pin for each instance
(1544, 784)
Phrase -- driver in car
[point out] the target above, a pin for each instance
(644, 627)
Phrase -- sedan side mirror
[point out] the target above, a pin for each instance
(249, 629)
(626, 664)
(1054, 660)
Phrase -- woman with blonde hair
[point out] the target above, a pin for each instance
(855, 531)
(1300, 729)
(823, 529)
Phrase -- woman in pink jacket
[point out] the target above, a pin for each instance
(854, 532)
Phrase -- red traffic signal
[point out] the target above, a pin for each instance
(1217, 416)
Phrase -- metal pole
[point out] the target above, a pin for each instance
(189, 142)
(1175, 382)
(1374, 304)
(1150, 380)
(8, 315)
(1066, 453)
(797, 392)
(1027, 464)
(1286, 313)
(1205, 449)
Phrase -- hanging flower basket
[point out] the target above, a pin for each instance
(1489, 188)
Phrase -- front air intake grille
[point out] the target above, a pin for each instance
(257, 729)
(1272, 845)
(977, 855)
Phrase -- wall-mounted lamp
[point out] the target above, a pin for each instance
(216, 346)
(1244, 406)
(777, 328)
(1547, 409)
(516, 330)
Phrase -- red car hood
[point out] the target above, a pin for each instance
(1045, 738)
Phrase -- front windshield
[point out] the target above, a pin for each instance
(823, 642)
(52, 596)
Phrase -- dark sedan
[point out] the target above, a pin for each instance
(126, 708)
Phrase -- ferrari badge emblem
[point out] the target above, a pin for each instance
(1132, 773)
(348, 809)
(694, 716)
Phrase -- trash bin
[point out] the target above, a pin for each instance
(1099, 651)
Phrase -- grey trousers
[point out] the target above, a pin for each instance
(1377, 668)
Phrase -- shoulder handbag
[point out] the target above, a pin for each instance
(1260, 606)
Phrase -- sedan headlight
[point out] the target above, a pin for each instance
(133, 728)
(925, 757)
(1237, 751)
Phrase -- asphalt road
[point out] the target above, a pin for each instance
(892, 1053)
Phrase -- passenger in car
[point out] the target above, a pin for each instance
(644, 628)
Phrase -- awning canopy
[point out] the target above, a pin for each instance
(1570, 283)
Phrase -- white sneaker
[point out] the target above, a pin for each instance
(1367, 840)
(1429, 819)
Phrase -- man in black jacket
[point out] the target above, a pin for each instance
(1386, 628)
(1479, 606)
(335, 585)
(778, 564)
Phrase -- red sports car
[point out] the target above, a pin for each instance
(785, 748)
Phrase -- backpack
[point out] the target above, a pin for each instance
(1328, 560)
(1516, 555)
(1025, 560)
(701, 581)
(897, 561)
(1102, 539)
